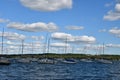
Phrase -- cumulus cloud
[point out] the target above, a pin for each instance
(113, 15)
(16, 47)
(74, 27)
(85, 39)
(60, 36)
(7, 42)
(33, 45)
(71, 38)
(115, 31)
(37, 37)
(113, 45)
(3, 20)
(13, 36)
(117, 7)
(47, 5)
(59, 45)
(95, 47)
(34, 27)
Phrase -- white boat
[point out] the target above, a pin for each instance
(104, 61)
(34, 59)
(86, 60)
(4, 61)
(24, 60)
(69, 61)
(47, 61)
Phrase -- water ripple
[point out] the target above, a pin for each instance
(79, 71)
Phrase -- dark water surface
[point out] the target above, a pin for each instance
(79, 71)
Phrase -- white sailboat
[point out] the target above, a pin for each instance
(47, 61)
(69, 61)
(3, 61)
(24, 60)
(86, 60)
(104, 60)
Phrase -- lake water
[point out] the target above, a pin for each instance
(79, 71)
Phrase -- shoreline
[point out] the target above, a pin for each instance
(64, 56)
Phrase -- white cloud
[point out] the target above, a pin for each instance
(16, 47)
(3, 20)
(117, 7)
(59, 45)
(47, 5)
(34, 45)
(60, 36)
(95, 47)
(113, 45)
(115, 31)
(34, 27)
(37, 37)
(113, 15)
(9, 43)
(75, 27)
(13, 36)
(71, 38)
(85, 39)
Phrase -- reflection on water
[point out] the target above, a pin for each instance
(79, 71)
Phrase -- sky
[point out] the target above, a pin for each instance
(60, 26)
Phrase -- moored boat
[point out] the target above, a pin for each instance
(86, 60)
(24, 60)
(47, 61)
(69, 61)
(104, 61)
(4, 61)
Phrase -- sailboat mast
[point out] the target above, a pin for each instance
(103, 48)
(48, 45)
(45, 44)
(66, 45)
(2, 41)
(32, 47)
(22, 46)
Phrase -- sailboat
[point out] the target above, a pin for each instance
(104, 60)
(23, 60)
(86, 60)
(3, 61)
(69, 61)
(47, 61)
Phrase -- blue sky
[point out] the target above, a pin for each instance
(87, 23)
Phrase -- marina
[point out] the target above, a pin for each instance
(79, 71)
(59, 39)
